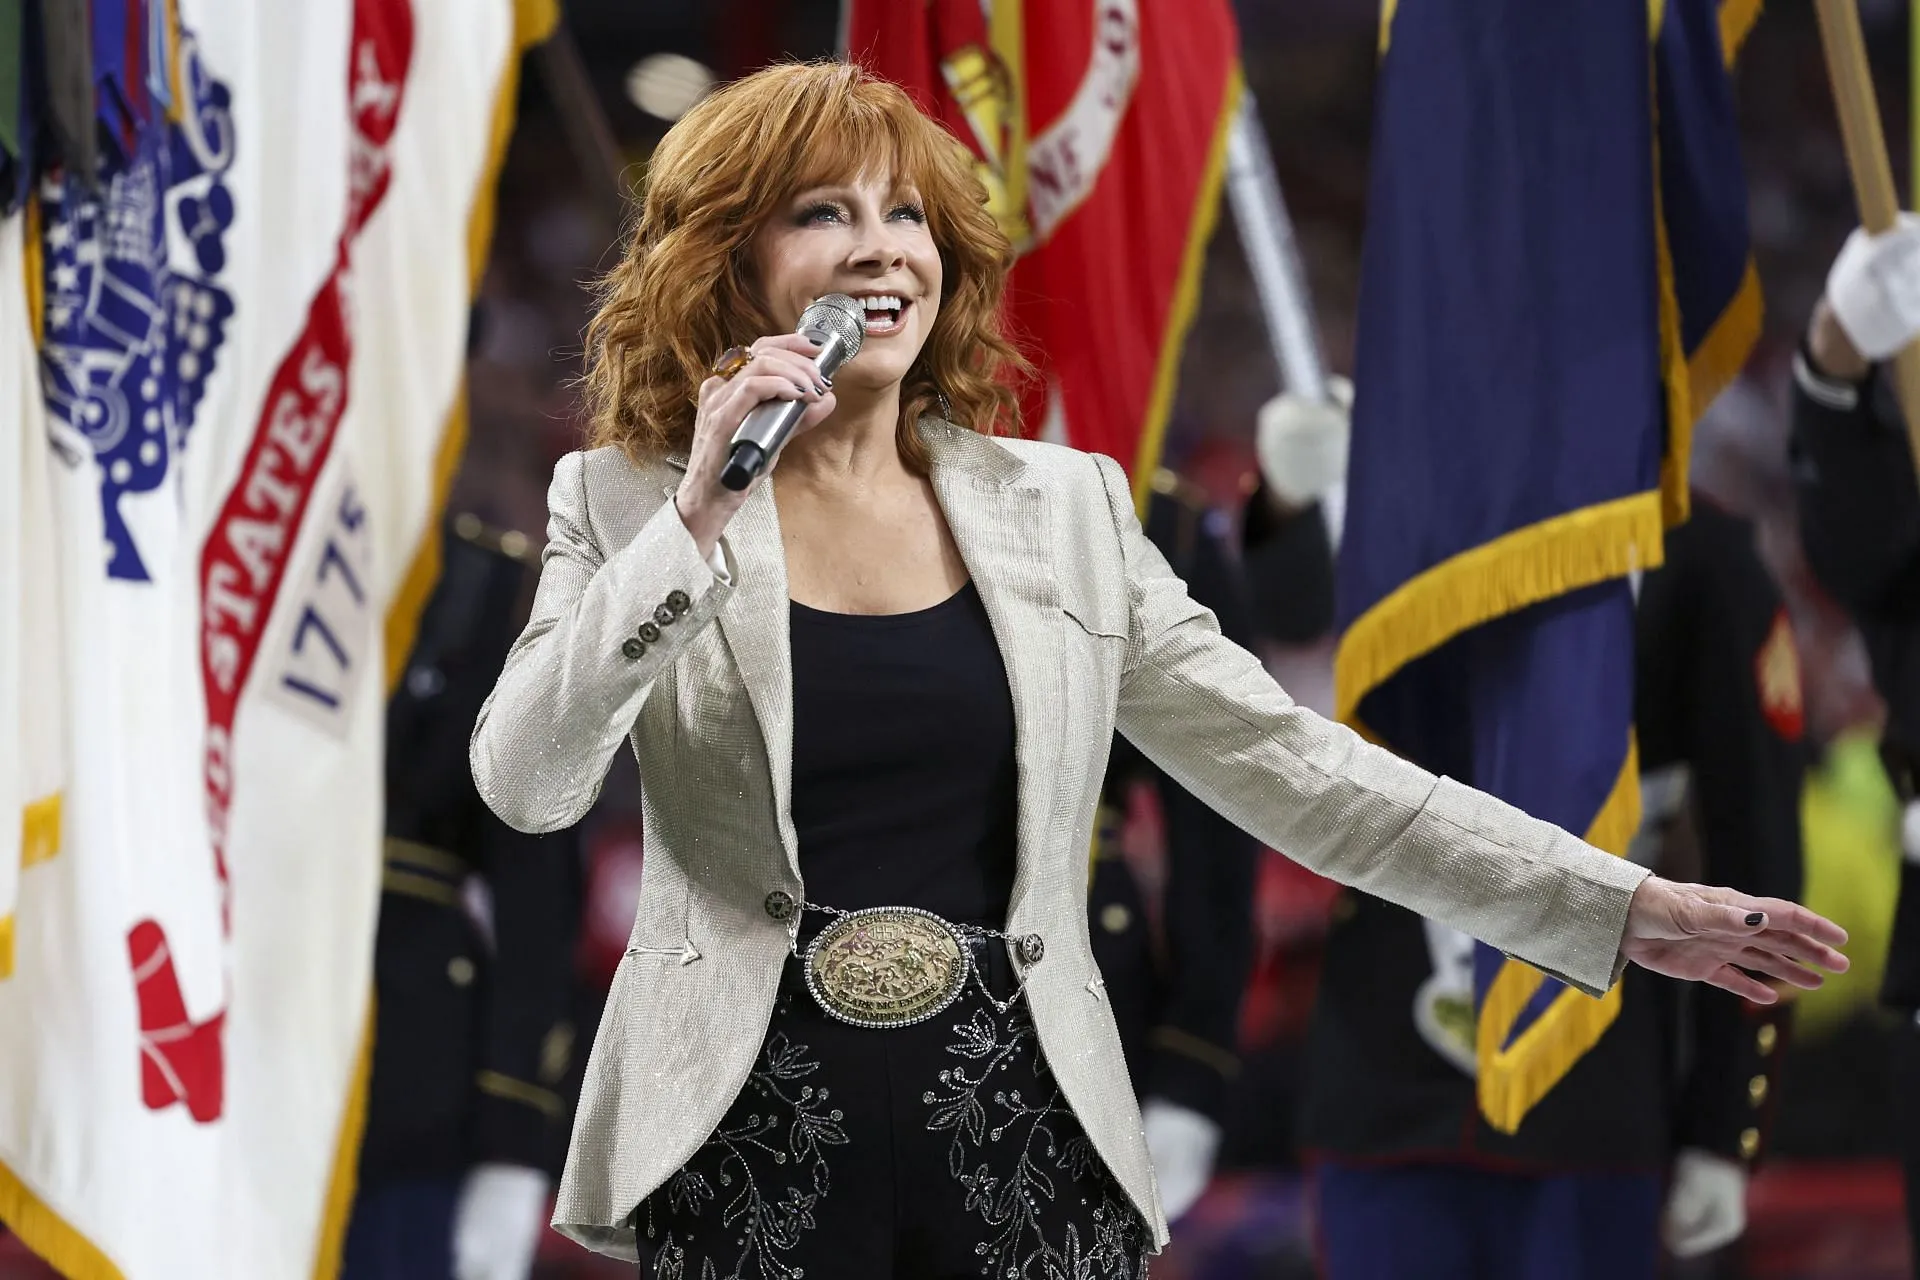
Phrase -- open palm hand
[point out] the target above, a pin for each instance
(1706, 934)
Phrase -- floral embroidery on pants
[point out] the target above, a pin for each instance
(1041, 1138)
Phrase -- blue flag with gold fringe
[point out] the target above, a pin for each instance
(1555, 282)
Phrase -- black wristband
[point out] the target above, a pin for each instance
(1817, 370)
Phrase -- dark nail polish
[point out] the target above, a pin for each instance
(829, 381)
(1758, 917)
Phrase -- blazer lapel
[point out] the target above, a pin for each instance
(1003, 529)
(754, 623)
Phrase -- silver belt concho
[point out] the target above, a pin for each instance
(887, 967)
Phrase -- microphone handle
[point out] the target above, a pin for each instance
(767, 426)
(771, 421)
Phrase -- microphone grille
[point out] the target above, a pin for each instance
(840, 316)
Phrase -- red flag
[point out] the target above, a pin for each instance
(1100, 129)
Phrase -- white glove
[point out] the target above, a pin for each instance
(1182, 1144)
(497, 1224)
(1706, 1204)
(1302, 444)
(1874, 288)
(1910, 831)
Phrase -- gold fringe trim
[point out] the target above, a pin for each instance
(1694, 379)
(533, 21)
(52, 1236)
(32, 270)
(1613, 828)
(40, 830)
(6, 947)
(1387, 9)
(1722, 354)
(423, 572)
(1186, 298)
(1545, 1052)
(176, 78)
(346, 1159)
(1675, 495)
(1514, 1078)
(1007, 37)
(1736, 24)
(1578, 549)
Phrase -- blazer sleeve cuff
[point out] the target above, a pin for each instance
(1569, 916)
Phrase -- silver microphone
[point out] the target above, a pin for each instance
(837, 325)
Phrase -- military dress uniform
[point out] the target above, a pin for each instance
(474, 960)
(1410, 1179)
(1178, 1005)
(1860, 522)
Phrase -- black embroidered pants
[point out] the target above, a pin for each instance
(938, 1151)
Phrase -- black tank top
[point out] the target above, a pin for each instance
(903, 761)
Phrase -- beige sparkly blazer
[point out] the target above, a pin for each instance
(634, 636)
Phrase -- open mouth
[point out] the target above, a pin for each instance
(886, 312)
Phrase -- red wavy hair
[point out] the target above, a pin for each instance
(682, 292)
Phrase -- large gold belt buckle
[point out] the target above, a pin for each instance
(886, 967)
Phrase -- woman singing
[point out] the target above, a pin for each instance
(858, 1031)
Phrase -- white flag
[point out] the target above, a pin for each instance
(251, 358)
(32, 744)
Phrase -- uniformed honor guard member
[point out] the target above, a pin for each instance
(1176, 998)
(1652, 1131)
(467, 1114)
(1860, 521)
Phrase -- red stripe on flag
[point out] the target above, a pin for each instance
(244, 559)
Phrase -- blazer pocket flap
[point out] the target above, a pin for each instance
(1096, 614)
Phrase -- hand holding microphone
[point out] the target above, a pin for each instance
(776, 389)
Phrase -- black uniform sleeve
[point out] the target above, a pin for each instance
(1719, 689)
(1860, 522)
(1208, 905)
(527, 1040)
(1859, 506)
(473, 1038)
(1289, 571)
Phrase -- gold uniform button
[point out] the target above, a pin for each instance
(1766, 1038)
(460, 971)
(1757, 1090)
(1749, 1143)
(1114, 917)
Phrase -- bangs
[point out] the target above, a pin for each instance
(850, 128)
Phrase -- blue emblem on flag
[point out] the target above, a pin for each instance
(135, 309)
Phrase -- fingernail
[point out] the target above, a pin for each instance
(829, 381)
(822, 387)
(1757, 918)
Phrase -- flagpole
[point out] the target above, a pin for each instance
(584, 121)
(1866, 147)
(1273, 257)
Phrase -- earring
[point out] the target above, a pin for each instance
(946, 406)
